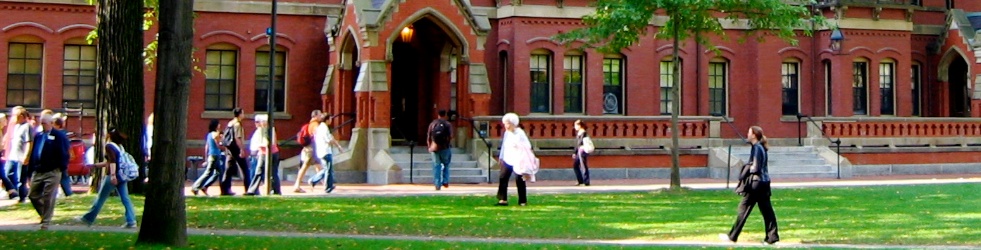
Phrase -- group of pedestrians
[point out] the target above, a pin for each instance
(225, 155)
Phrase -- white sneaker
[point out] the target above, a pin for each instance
(725, 237)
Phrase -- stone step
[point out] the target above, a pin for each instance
(429, 165)
(420, 150)
(802, 169)
(777, 177)
(453, 172)
(796, 162)
(467, 179)
(426, 157)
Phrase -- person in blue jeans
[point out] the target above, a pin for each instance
(438, 139)
(323, 147)
(216, 160)
(113, 182)
(17, 142)
(66, 181)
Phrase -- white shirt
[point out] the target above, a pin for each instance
(20, 142)
(322, 141)
(513, 147)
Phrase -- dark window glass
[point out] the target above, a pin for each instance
(790, 79)
(886, 83)
(262, 81)
(573, 84)
(540, 80)
(859, 84)
(78, 76)
(718, 72)
(220, 85)
(24, 74)
(667, 80)
(916, 89)
(613, 86)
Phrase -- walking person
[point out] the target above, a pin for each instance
(17, 143)
(66, 182)
(755, 179)
(214, 152)
(323, 145)
(307, 154)
(584, 147)
(113, 154)
(236, 156)
(516, 158)
(438, 139)
(260, 149)
(49, 159)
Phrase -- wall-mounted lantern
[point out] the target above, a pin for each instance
(836, 39)
(407, 33)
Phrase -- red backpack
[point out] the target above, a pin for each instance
(303, 137)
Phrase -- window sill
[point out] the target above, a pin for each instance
(228, 115)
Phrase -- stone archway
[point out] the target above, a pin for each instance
(348, 71)
(423, 78)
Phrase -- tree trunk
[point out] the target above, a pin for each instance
(675, 111)
(164, 215)
(119, 96)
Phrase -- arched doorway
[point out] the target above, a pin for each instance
(423, 77)
(957, 88)
(348, 72)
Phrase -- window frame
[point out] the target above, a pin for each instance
(210, 79)
(573, 62)
(887, 87)
(722, 78)
(541, 63)
(790, 87)
(262, 82)
(666, 81)
(25, 61)
(78, 75)
(609, 88)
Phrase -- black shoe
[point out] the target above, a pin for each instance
(228, 194)
(330, 189)
(127, 225)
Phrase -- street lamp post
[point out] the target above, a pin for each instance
(270, 92)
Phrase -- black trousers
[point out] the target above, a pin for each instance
(235, 164)
(761, 196)
(502, 189)
(581, 167)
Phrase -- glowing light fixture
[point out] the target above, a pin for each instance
(407, 33)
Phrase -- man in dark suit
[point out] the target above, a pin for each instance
(49, 157)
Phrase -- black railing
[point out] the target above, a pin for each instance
(483, 138)
(729, 158)
(836, 142)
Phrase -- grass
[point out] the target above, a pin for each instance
(895, 215)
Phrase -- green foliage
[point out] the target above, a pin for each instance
(149, 19)
(618, 24)
(900, 215)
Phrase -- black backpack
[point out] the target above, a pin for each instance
(228, 136)
(440, 132)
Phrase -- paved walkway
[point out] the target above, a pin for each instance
(542, 187)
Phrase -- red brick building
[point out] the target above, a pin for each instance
(899, 73)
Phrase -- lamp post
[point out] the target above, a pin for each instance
(836, 39)
(270, 107)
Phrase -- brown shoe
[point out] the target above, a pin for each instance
(299, 191)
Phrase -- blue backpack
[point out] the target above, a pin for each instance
(126, 167)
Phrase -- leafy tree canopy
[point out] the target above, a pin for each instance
(618, 24)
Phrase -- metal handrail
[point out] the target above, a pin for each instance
(837, 142)
(483, 137)
(729, 158)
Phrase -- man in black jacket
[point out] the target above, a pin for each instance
(49, 157)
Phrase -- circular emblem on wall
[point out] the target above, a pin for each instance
(610, 104)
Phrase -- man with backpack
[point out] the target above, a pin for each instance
(304, 137)
(232, 137)
(438, 139)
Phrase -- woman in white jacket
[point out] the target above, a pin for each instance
(516, 157)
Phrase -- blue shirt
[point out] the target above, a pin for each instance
(211, 146)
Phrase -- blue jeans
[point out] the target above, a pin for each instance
(441, 167)
(214, 170)
(66, 183)
(260, 168)
(328, 172)
(104, 191)
(11, 176)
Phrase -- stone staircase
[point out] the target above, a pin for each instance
(793, 162)
(463, 168)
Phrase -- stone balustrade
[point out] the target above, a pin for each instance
(561, 127)
(893, 132)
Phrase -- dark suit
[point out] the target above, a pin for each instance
(48, 164)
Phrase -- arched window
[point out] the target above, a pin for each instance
(24, 70)
(916, 86)
(613, 84)
(540, 65)
(78, 74)
(667, 81)
(790, 79)
(573, 78)
(262, 79)
(860, 82)
(718, 77)
(221, 82)
(887, 83)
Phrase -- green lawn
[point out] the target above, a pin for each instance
(897, 215)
